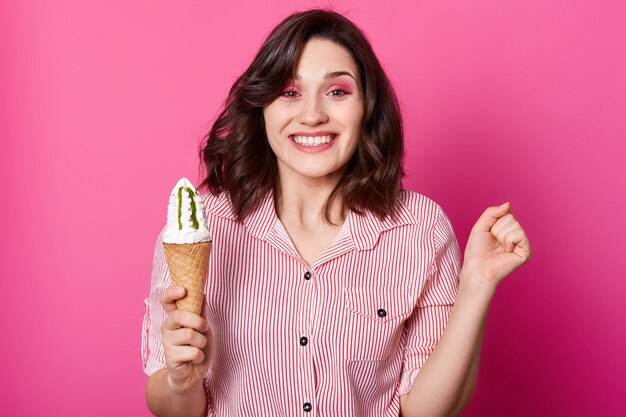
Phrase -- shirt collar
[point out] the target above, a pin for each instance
(365, 229)
(258, 223)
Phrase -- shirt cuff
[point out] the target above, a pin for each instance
(148, 361)
(406, 381)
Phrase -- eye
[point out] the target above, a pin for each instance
(340, 92)
(289, 93)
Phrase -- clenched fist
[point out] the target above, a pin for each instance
(186, 343)
(497, 246)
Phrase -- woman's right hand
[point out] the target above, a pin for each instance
(186, 346)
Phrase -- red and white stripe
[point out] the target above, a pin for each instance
(372, 311)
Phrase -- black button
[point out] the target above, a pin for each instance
(307, 275)
(307, 407)
(382, 312)
(304, 341)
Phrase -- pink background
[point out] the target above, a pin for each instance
(103, 105)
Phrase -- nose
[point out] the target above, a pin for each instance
(312, 111)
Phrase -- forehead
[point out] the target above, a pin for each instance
(324, 59)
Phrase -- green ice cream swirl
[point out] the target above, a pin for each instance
(194, 214)
(180, 207)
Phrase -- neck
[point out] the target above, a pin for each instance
(302, 201)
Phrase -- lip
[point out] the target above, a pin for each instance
(320, 133)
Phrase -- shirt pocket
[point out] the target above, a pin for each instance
(373, 321)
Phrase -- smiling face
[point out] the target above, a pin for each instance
(313, 127)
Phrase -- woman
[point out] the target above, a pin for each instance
(329, 286)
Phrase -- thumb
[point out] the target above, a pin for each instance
(491, 216)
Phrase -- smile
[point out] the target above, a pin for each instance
(312, 140)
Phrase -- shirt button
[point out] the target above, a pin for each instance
(307, 407)
(304, 341)
(307, 275)
(382, 312)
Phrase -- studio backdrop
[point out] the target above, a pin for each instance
(104, 105)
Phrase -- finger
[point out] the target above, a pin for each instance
(522, 245)
(516, 241)
(490, 216)
(178, 355)
(179, 318)
(187, 337)
(170, 295)
(503, 224)
(502, 237)
(502, 230)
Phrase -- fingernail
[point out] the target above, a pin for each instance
(180, 290)
(504, 204)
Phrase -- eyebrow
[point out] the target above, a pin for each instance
(333, 74)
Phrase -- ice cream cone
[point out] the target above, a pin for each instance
(188, 264)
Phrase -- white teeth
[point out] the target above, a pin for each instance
(312, 141)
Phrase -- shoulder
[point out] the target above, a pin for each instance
(218, 205)
(209, 199)
(434, 220)
(425, 210)
(414, 212)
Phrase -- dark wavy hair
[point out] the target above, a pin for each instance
(236, 152)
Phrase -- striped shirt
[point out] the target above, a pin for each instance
(343, 337)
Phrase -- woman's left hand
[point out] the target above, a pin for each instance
(497, 246)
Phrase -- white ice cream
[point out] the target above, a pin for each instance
(185, 216)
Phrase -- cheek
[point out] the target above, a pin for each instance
(274, 118)
(274, 147)
(269, 114)
(352, 115)
(272, 127)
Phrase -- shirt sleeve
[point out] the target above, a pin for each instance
(152, 356)
(428, 320)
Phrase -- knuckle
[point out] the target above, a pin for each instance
(167, 352)
(187, 335)
(176, 316)
(198, 356)
(203, 342)
(165, 326)
(199, 324)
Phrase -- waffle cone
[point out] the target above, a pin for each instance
(188, 264)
